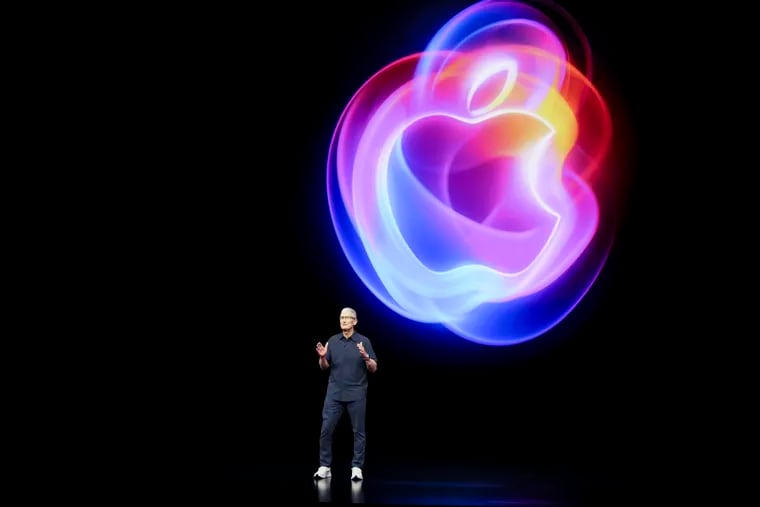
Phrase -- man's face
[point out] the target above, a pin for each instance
(347, 320)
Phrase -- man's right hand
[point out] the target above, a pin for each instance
(322, 350)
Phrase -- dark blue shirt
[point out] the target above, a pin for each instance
(348, 371)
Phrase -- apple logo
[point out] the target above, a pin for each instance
(465, 196)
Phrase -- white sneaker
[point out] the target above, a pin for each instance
(323, 473)
(356, 474)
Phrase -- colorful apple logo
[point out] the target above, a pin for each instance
(461, 180)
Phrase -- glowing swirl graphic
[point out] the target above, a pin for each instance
(461, 180)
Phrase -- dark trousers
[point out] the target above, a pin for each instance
(331, 414)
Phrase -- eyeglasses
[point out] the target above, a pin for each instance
(347, 317)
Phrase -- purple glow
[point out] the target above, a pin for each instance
(461, 185)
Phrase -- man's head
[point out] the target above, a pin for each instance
(347, 319)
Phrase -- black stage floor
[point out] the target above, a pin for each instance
(439, 484)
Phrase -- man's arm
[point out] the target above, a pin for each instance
(371, 364)
(322, 352)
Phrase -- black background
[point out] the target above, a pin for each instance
(257, 277)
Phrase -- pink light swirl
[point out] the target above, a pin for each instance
(461, 180)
